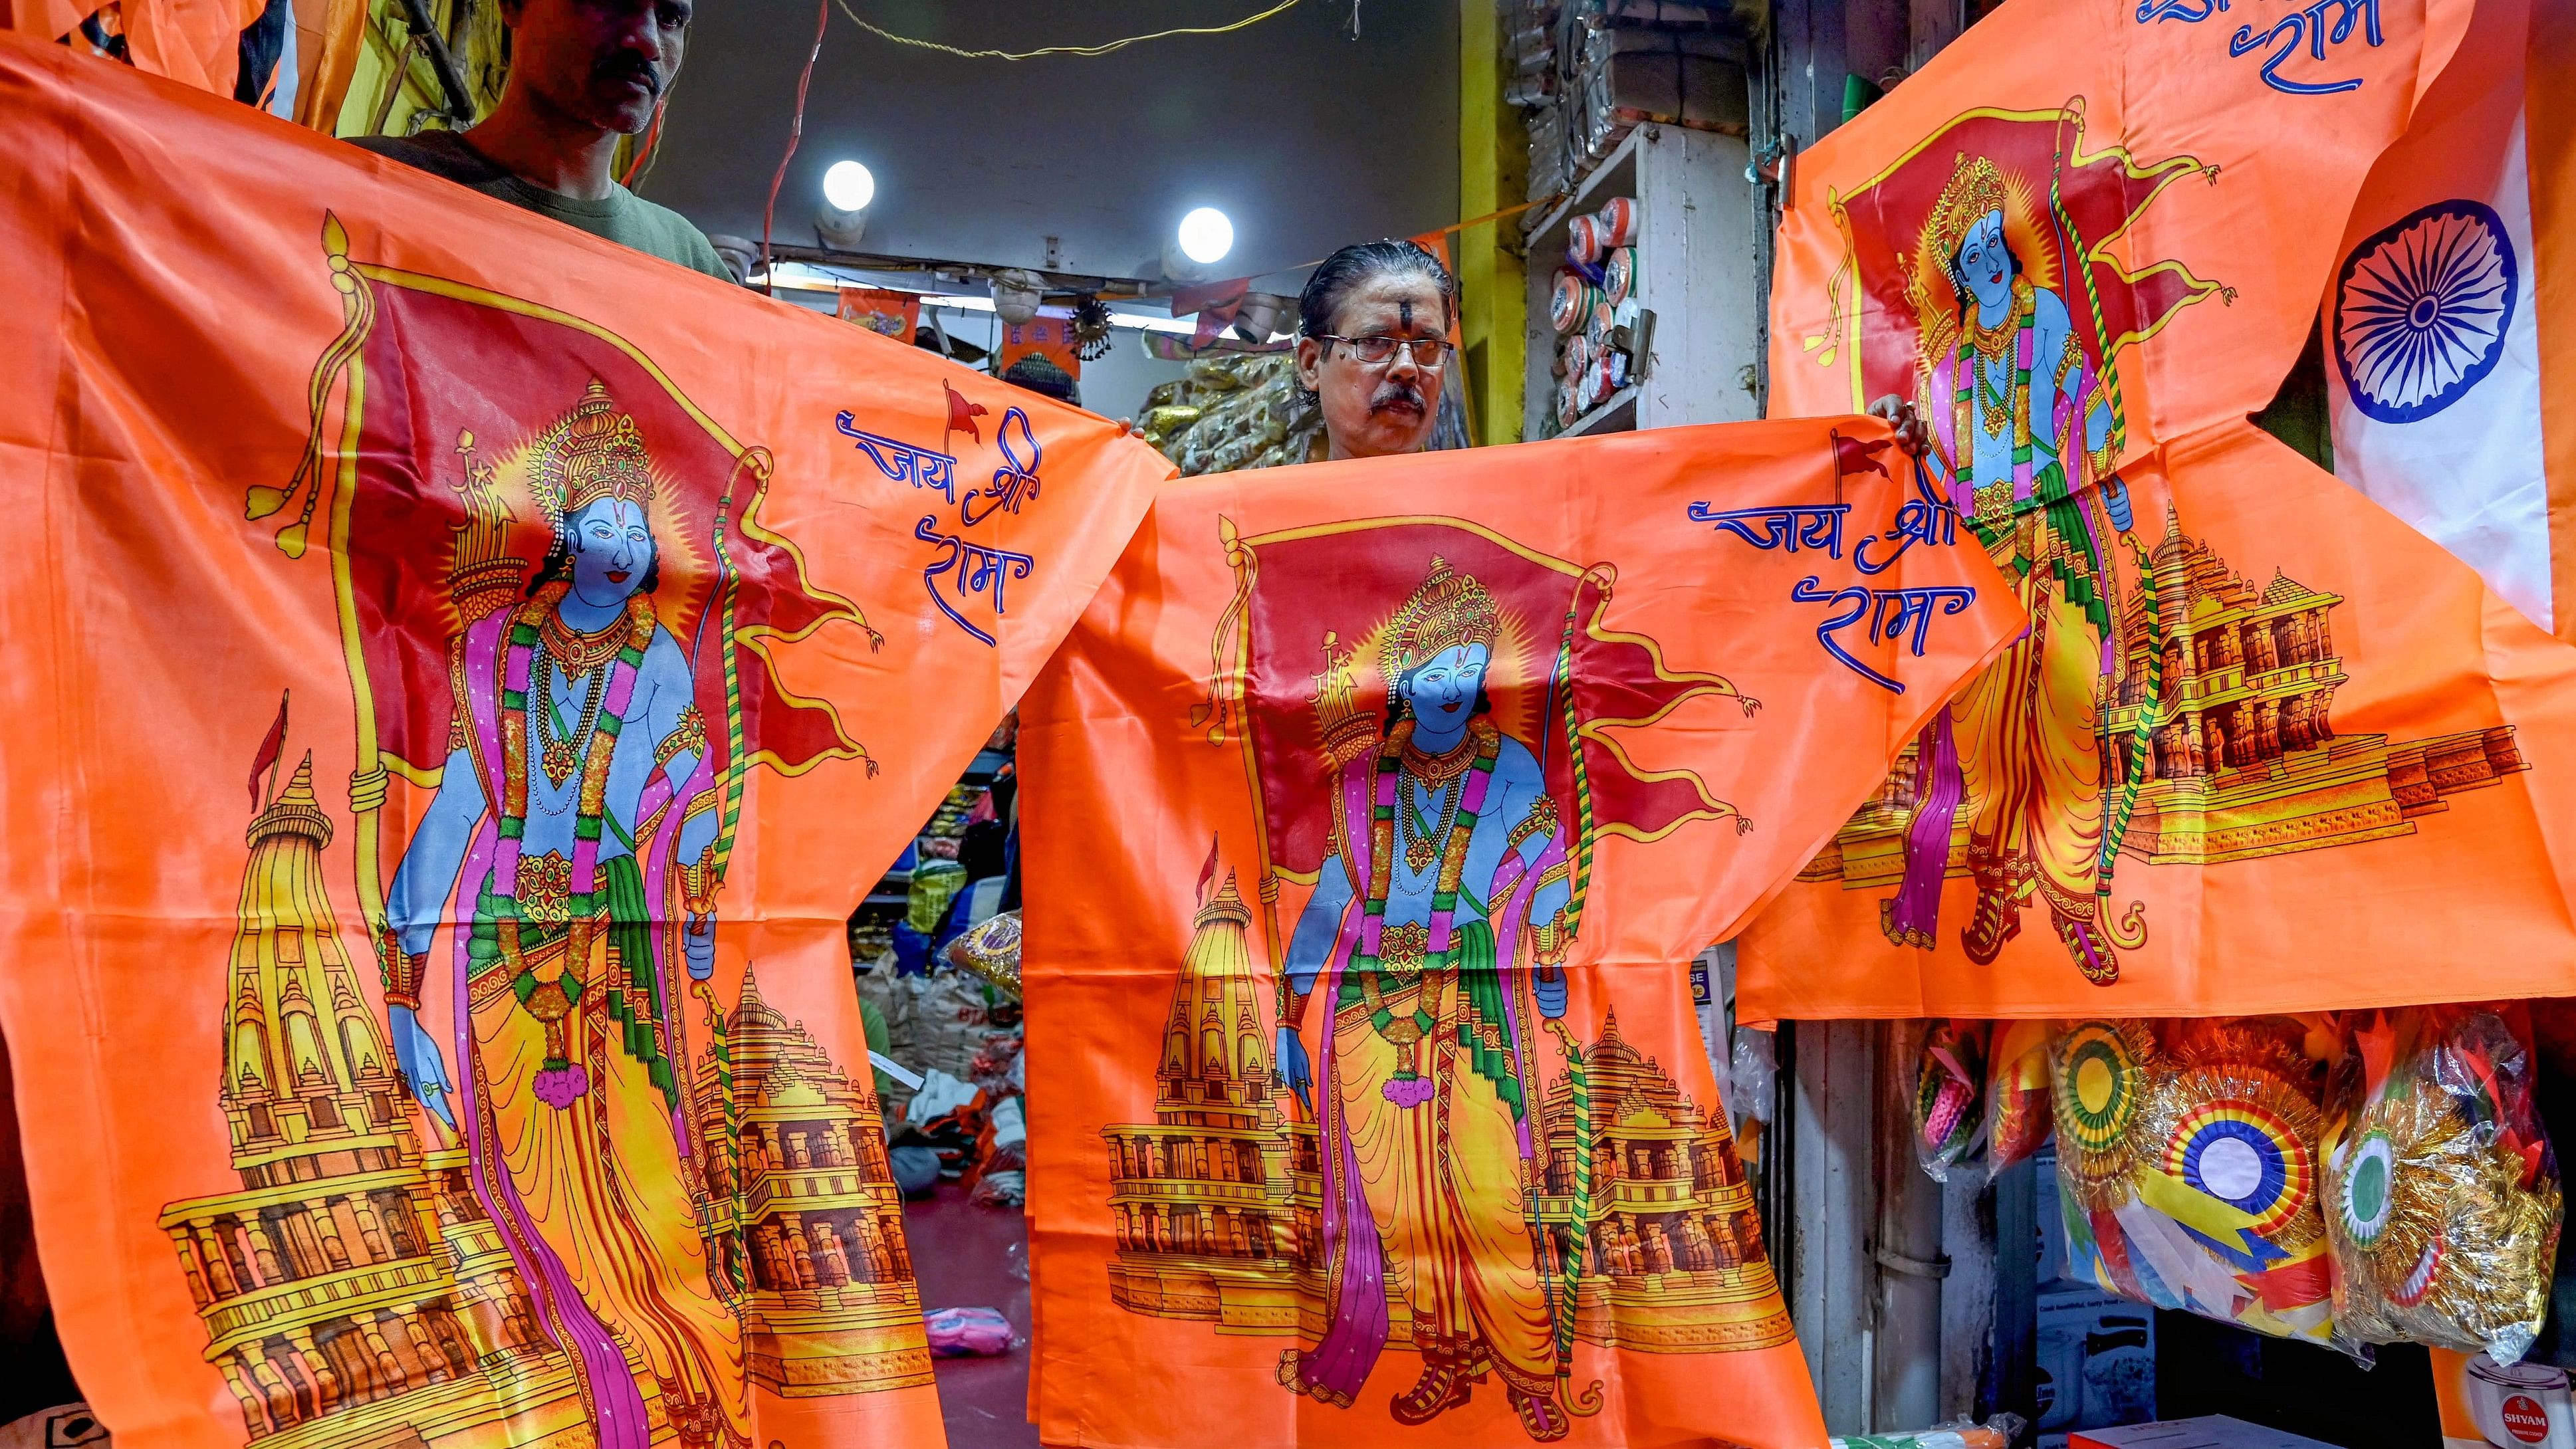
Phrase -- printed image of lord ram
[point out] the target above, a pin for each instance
(1435, 938)
(571, 830)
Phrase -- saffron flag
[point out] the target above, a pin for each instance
(2256, 728)
(194, 42)
(2443, 410)
(882, 310)
(494, 1075)
(1047, 337)
(1396, 1126)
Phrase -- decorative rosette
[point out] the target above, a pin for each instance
(2096, 1073)
(2443, 1197)
(2188, 1166)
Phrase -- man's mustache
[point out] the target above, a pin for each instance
(631, 67)
(1397, 394)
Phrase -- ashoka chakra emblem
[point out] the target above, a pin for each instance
(2421, 310)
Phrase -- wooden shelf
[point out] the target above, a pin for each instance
(1695, 271)
(1615, 176)
(1616, 413)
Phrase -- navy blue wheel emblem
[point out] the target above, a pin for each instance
(2421, 310)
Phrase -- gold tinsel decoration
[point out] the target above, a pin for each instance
(990, 949)
(2443, 1201)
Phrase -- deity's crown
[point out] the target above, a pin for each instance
(595, 452)
(1448, 611)
(1975, 188)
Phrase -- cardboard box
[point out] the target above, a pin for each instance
(2097, 1362)
(2488, 1406)
(2213, 1431)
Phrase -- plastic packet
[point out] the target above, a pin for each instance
(2188, 1157)
(2018, 1116)
(2443, 1197)
(1995, 1433)
(1752, 1080)
(1002, 1188)
(968, 1332)
(1949, 1091)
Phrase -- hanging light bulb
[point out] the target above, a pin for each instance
(1203, 239)
(1206, 236)
(848, 187)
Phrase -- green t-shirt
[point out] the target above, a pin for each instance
(622, 217)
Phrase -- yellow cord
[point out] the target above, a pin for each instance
(1102, 49)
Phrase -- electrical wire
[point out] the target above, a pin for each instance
(645, 148)
(795, 132)
(1083, 50)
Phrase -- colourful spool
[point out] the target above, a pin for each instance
(1569, 306)
(1583, 240)
(1603, 317)
(1612, 370)
(1619, 275)
(1617, 221)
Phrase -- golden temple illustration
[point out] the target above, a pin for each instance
(806, 1219)
(1218, 1202)
(2245, 761)
(355, 1292)
(1677, 1264)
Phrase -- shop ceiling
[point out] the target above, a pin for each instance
(1305, 136)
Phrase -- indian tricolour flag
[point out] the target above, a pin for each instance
(2450, 322)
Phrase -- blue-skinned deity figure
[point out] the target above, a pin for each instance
(1433, 944)
(558, 877)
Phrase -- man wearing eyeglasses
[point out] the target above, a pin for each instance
(1375, 346)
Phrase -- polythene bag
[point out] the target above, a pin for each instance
(2187, 1164)
(2443, 1199)
(2018, 1118)
(1949, 1096)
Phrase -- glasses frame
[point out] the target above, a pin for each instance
(1409, 345)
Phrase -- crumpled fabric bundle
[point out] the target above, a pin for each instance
(2188, 1162)
(1949, 1096)
(965, 1332)
(2443, 1197)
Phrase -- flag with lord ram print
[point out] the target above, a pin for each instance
(493, 1073)
(1372, 809)
(2257, 727)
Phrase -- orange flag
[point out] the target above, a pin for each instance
(1396, 1126)
(194, 42)
(2257, 729)
(496, 1073)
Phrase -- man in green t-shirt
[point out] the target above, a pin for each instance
(582, 74)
